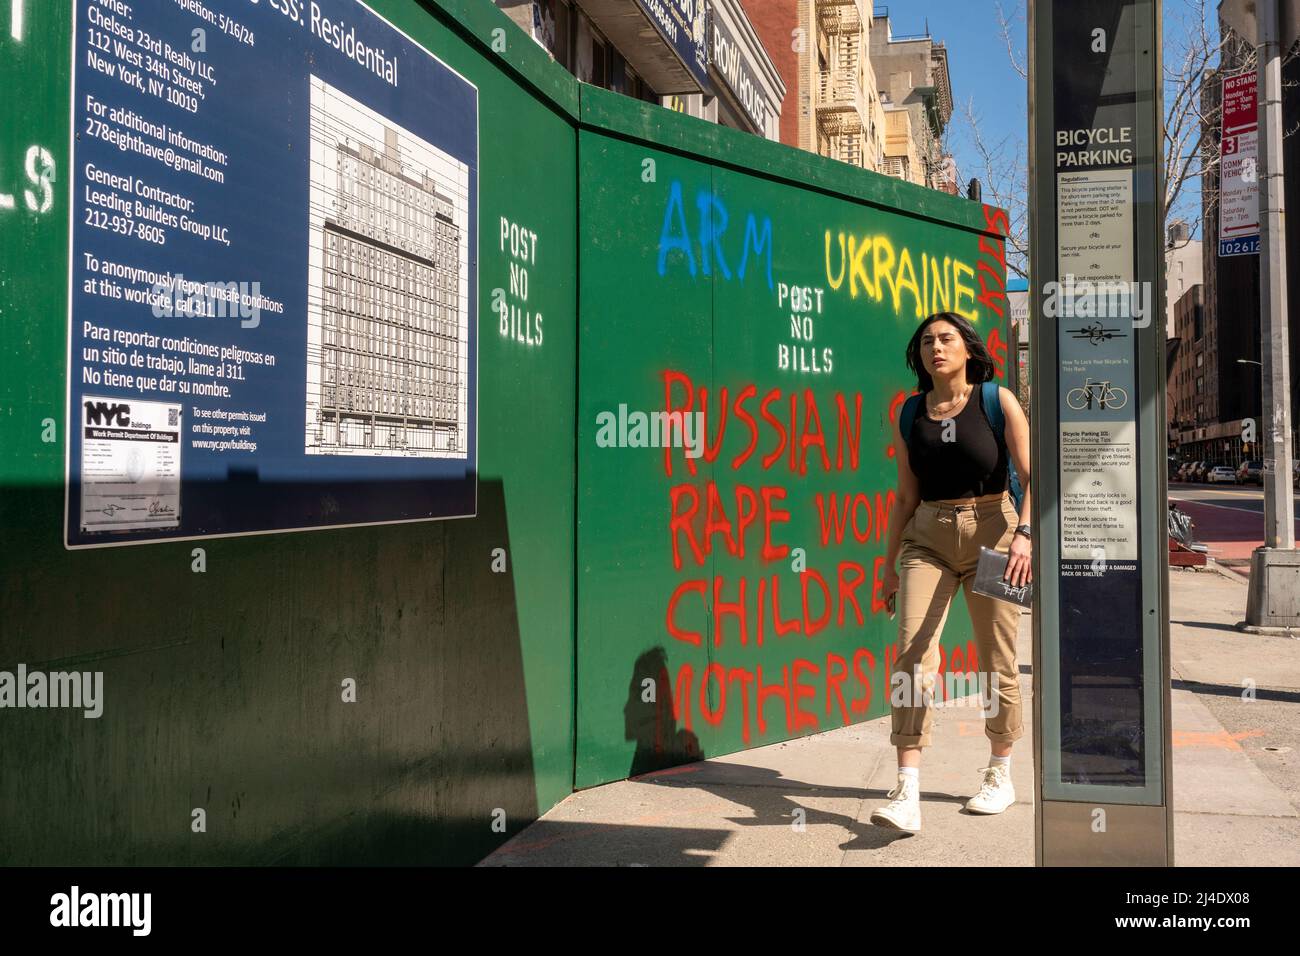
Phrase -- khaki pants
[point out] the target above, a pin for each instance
(940, 549)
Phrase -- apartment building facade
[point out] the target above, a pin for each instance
(820, 48)
(1184, 268)
(913, 79)
(700, 57)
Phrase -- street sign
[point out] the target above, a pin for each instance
(1098, 418)
(1239, 166)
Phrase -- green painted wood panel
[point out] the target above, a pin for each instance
(223, 688)
(733, 291)
(631, 333)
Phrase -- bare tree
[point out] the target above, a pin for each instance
(1193, 50)
(1003, 172)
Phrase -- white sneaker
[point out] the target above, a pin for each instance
(996, 793)
(904, 810)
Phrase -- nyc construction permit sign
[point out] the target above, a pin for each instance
(274, 272)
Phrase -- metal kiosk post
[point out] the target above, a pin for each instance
(1101, 632)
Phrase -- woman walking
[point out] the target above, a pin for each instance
(953, 498)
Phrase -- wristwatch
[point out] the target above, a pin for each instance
(1026, 531)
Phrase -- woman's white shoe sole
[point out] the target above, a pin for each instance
(987, 812)
(881, 820)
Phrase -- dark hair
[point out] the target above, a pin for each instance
(979, 367)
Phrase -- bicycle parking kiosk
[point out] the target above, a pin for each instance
(1101, 635)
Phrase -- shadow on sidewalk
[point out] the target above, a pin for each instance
(1207, 626)
(781, 809)
(654, 841)
(1229, 690)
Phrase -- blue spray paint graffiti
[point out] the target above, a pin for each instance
(713, 221)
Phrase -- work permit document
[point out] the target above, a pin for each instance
(130, 464)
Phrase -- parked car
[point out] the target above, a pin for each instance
(1198, 470)
(1251, 472)
(1185, 470)
(1221, 474)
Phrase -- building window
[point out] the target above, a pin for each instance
(563, 25)
(599, 65)
(582, 48)
(544, 25)
(617, 72)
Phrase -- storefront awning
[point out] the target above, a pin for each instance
(663, 40)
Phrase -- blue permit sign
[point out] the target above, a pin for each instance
(273, 290)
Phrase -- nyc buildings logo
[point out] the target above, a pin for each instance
(104, 413)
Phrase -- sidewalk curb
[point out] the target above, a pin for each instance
(1290, 632)
(1230, 575)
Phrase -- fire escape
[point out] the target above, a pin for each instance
(841, 105)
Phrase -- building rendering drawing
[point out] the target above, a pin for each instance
(388, 316)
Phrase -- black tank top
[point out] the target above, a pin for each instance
(971, 464)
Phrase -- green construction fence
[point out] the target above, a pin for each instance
(658, 604)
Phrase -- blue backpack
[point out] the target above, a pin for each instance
(992, 402)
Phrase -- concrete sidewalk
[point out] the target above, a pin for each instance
(1236, 803)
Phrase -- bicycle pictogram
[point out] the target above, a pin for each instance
(1105, 396)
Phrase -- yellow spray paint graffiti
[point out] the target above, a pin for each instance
(871, 263)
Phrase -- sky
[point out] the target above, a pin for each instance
(978, 66)
(981, 71)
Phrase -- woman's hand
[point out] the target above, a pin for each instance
(1019, 565)
(889, 584)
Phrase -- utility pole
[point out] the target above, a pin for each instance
(1274, 597)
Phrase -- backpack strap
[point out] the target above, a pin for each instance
(908, 415)
(991, 396)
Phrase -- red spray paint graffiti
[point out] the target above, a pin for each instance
(992, 276)
(787, 435)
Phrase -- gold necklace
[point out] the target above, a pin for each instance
(954, 403)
